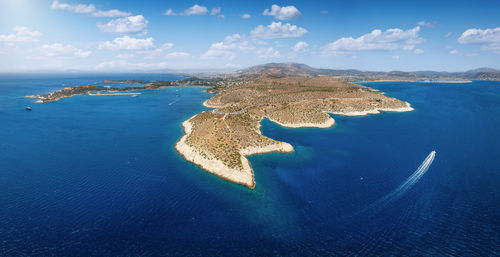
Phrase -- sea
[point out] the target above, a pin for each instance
(99, 176)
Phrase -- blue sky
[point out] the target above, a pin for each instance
(94, 35)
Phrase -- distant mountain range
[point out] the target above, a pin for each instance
(297, 69)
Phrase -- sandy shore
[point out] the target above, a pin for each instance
(242, 176)
(327, 124)
(407, 108)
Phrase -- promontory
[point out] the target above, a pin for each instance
(219, 140)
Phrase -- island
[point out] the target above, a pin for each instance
(213, 84)
(90, 90)
(219, 140)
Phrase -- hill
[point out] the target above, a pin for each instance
(291, 69)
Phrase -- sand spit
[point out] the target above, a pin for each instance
(326, 124)
(407, 108)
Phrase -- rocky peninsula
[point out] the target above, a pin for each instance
(219, 140)
(89, 90)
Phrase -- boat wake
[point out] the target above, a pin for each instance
(173, 102)
(405, 186)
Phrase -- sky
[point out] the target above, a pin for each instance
(128, 36)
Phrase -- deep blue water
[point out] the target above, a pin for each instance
(89, 176)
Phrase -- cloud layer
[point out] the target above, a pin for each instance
(283, 13)
(195, 10)
(489, 39)
(225, 47)
(57, 49)
(301, 46)
(391, 39)
(128, 43)
(88, 9)
(127, 25)
(278, 30)
(21, 34)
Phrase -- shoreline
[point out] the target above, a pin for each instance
(244, 176)
(407, 108)
(444, 81)
(110, 92)
(326, 124)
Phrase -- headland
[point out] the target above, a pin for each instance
(219, 140)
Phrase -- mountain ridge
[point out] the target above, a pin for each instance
(292, 69)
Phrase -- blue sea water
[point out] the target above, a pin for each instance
(98, 176)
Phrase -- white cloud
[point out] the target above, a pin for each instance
(418, 51)
(395, 57)
(391, 39)
(169, 12)
(214, 53)
(225, 47)
(88, 9)
(128, 43)
(236, 43)
(448, 34)
(453, 51)
(283, 13)
(215, 11)
(57, 49)
(489, 39)
(301, 46)
(166, 46)
(278, 30)
(127, 25)
(77, 8)
(22, 34)
(177, 55)
(246, 16)
(111, 13)
(426, 24)
(267, 53)
(156, 52)
(480, 36)
(195, 10)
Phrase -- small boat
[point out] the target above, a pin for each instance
(135, 95)
(28, 108)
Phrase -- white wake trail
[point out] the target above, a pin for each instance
(406, 185)
(414, 178)
(173, 102)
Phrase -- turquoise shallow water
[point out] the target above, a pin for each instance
(99, 176)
